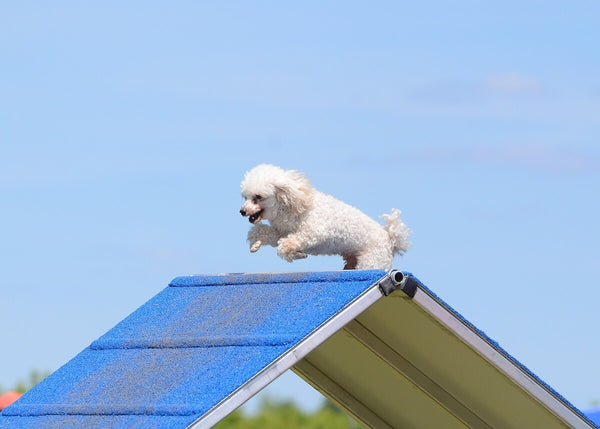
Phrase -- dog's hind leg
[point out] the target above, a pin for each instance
(375, 259)
(350, 262)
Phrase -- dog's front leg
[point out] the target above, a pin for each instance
(290, 248)
(262, 234)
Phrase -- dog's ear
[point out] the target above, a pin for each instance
(295, 192)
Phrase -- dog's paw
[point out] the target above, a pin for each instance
(292, 256)
(288, 249)
(300, 255)
(255, 246)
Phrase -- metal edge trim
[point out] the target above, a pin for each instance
(500, 360)
(289, 358)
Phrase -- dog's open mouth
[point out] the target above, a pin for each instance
(256, 216)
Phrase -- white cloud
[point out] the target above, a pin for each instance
(541, 157)
(512, 83)
(526, 156)
(486, 88)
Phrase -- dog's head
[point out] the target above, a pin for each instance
(269, 190)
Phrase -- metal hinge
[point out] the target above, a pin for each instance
(397, 280)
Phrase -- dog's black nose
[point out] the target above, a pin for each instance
(243, 212)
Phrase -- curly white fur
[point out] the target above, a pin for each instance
(304, 221)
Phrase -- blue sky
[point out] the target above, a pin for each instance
(126, 129)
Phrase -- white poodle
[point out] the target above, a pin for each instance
(305, 221)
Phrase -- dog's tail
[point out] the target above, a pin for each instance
(397, 231)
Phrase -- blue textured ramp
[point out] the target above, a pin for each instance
(186, 350)
(594, 416)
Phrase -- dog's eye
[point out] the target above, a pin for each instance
(258, 197)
